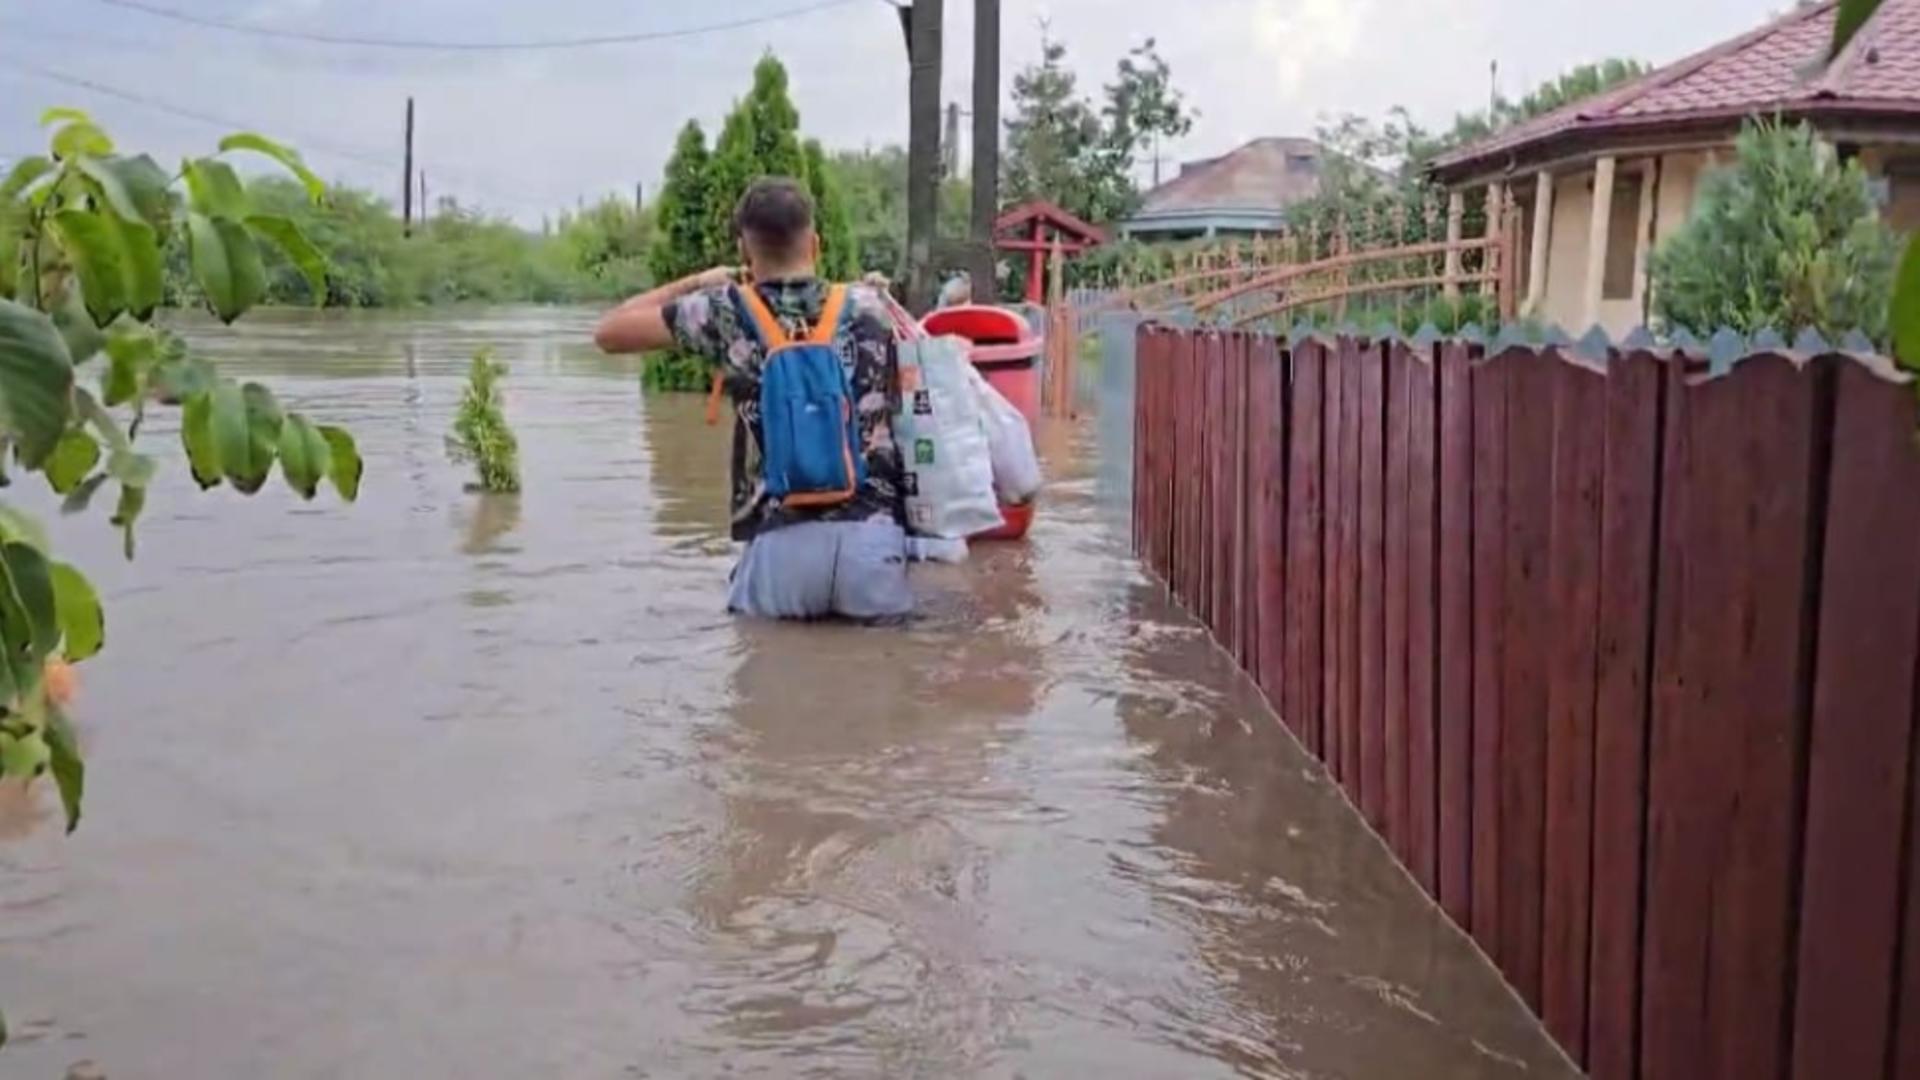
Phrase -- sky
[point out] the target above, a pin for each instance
(526, 133)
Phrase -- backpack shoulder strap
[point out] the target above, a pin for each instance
(831, 313)
(761, 318)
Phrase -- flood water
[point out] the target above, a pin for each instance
(447, 786)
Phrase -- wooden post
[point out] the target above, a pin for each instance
(923, 149)
(986, 146)
(1542, 241)
(406, 179)
(1456, 221)
(1597, 232)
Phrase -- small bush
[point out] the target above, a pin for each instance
(480, 431)
(1786, 239)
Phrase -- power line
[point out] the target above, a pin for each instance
(360, 155)
(632, 38)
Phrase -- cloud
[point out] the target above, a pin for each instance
(527, 133)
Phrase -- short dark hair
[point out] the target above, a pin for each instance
(773, 216)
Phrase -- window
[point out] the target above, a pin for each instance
(1623, 238)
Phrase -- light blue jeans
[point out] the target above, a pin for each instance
(818, 569)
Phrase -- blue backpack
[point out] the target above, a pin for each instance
(810, 436)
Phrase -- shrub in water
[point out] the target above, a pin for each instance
(480, 431)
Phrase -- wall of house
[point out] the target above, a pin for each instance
(1565, 298)
(1663, 208)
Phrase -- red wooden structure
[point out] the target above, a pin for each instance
(1039, 229)
(1621, 658)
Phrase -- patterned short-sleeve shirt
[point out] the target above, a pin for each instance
(709, 324)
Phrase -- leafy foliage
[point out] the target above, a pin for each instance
(480, 432)
(1786, 239)
(1062, 149)
(350, 251)
(681, 244)
(81, 273)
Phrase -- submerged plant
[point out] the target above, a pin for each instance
(480, 431)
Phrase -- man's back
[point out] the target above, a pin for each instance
(711, 324)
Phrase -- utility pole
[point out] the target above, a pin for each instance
(950, 144)
(406, 180)
(986, 146)
(923, 148)
(639, 196)
(425, 213)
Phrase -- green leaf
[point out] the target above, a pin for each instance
(1853, 15)
(81, 138)
(64, 114)
(69, 769)
(176, 380)
(214, 189)
(83, 622)
(24, 757)
(285, 155)
(82, 497)
(306, 258)
(75, 323)
(118, 262)
(133, 500)
(345, 467)
(22, 175)
(226, 263)
(196, 434)
(135, 187)
(131, 355)
(246, 426)
(97, 417)
(305, 457)
(18, 526)
(136, 470)
(36, 382)
(1906, 307)
(73, 458)
(31, 577)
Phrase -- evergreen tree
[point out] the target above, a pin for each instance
(776, 123)
(681, 242)
(839, 259)
(733, 168)
(1786, 239)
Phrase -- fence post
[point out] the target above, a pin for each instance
(1456, 219)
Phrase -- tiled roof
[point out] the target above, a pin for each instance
(1775, 68)
(1265, 174)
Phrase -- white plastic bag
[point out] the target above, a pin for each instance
(934, 549)
(943, 441)
(1016, 468)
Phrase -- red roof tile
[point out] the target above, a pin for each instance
(1772, 69)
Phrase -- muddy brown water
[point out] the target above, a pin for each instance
(447, 786)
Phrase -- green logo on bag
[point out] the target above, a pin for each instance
(923, 452)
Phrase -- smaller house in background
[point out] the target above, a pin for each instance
(1244, 193)
(1602, 182)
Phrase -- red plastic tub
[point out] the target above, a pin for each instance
(1007, 352)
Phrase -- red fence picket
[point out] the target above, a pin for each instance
(1455, 626)
(1621, 658)
(1622, 676)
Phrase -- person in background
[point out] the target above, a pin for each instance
(958, 291)
(847, 560)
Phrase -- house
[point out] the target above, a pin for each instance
(1602, 182)
(1243, 193)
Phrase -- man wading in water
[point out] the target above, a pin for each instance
(817, 496)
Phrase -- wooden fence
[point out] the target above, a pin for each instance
(1619, 658)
